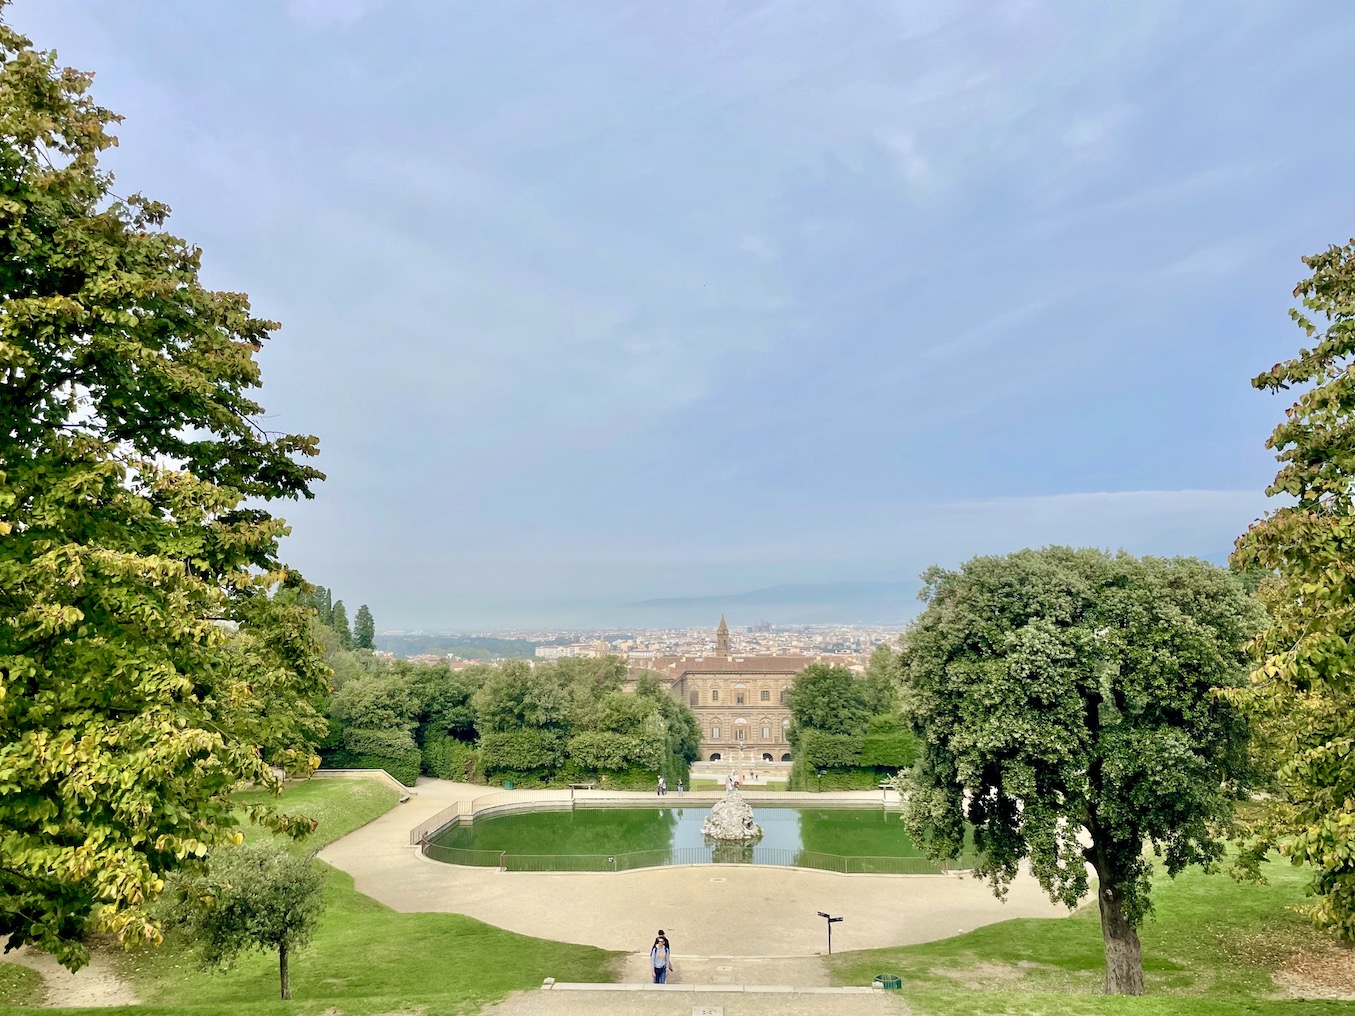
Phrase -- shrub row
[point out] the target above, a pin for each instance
(404, 766)
(450, 759)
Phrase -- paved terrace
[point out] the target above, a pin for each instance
(709, 910)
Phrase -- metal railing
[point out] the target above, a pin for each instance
(426, 832)
(677, 856)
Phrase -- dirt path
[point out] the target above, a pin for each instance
(96, 984)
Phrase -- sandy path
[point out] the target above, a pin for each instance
(95, 984)
(728, 910)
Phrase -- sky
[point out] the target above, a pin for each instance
(603, 302)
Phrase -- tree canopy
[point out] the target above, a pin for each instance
(133, 537)
(260, 896)
(828, 698)
(1302, 691)
(1064, 701)
(364, 629)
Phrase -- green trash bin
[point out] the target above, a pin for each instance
(890, 982)
(507, 784)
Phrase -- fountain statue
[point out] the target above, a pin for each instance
(731, 821)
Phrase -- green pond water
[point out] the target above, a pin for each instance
(672, 835)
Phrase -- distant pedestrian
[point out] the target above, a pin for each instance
(663, 789)
(660, 958)
(679, 788)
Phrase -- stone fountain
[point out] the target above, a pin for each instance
(731, 821)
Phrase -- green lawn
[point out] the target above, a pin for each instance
(365, 959)
(338, 806)
(19, 985)
(1210, 948)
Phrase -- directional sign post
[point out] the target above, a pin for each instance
(831, 921)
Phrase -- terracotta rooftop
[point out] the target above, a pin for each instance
(670, 666)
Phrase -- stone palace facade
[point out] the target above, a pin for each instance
(741, 702)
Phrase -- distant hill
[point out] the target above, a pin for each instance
(790, 603)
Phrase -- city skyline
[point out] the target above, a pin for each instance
(609, 304)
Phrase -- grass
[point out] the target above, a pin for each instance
(338, 806)
(19, 985)
(365, 959)
(1210, 948)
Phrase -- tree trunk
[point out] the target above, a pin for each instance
(1124, 957)
(287, 986)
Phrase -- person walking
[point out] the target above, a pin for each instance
(679, 788)
(662, 789)
(661, 958)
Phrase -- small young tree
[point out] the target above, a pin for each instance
(364, 629)
(1065, 704)
(260, 896)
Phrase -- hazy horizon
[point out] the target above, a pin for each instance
(597, 304)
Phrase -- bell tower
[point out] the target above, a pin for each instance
(722, 638)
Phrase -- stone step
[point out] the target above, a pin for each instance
(551, 984)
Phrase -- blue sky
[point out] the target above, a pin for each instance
(592, 303)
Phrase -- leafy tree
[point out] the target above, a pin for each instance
(1064, 701)
(377, 702)
(260, 896)
(364, 629)
(830, 699)
(134, 475)
(518, 696)
(879, 688)
(1302, 692)
(338, 620)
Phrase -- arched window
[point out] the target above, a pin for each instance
(766, 756)
(715, 756)
(785, 757)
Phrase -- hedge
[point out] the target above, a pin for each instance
(806, 777)
(829, 751)
(450, 759)
(404, 766)
(605, 751)
(367, 741)
(521, 751)
(893, 750)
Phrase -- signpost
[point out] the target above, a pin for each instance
(831, 921)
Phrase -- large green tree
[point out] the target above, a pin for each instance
(364, 629)
(338, 620)
(1302, 691)
(828, 698)
(1064, 700)
(133, 537)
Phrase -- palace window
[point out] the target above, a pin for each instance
(766, 733)
(715, 733)
(785, 694)
(739, 733)
(715, 694)
(695, 698)
(738, 698)
(765, 695)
